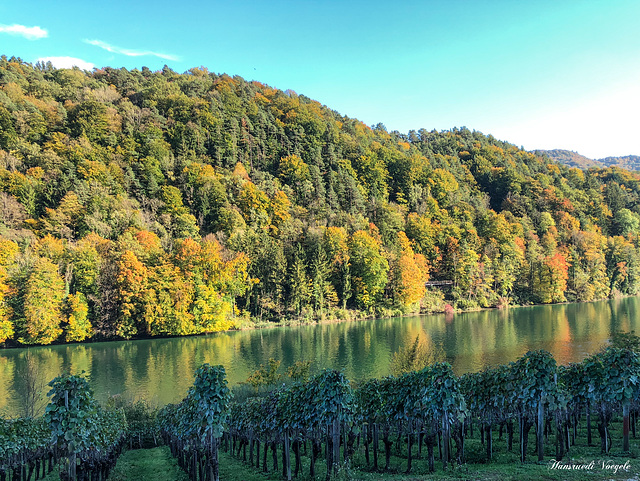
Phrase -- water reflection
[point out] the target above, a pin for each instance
(161, 370)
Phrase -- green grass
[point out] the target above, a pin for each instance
(154, 464)
(504, 465)
(503, 468)
(157, 464)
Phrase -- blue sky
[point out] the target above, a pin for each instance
(541, 74)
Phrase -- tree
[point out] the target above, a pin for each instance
(44, 294)
(298, 281)
(132, 284)
(78, 326)
(322, 291)
(335, 242)
(295, 172)
(626, 222)
(410, 272)
(443, 185)
(552, 280)
(368, 268)
(8, 251)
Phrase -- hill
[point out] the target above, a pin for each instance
(628, 162)
(574, 159)
(137, 203)
(570, 158)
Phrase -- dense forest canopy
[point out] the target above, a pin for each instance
(136, 203)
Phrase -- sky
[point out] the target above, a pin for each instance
(544, 74)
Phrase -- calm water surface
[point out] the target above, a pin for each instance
(161, 370)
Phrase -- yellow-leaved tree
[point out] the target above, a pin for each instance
(78, 327)
(410, 273)
(8, 251)
(43, 299)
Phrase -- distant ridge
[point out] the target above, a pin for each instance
(629, 162)
(574, 159)
(570, 158)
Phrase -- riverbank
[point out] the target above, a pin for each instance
(329, 316)
(161, 369)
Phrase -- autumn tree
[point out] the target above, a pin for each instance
(43, 303)
(335, 242)
(8, 252)
(132, 284)
(77, 326)
(551, 283)
(410, 272)
(368, 268)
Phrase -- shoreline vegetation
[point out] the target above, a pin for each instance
(140, 204)
(349, 316)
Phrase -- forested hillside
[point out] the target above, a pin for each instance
(574, 159)
(570, 158)
(140, 203)
(629, 162)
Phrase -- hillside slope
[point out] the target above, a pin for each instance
(140, 203)
(570, 158)
(629, 162)
(574, 159)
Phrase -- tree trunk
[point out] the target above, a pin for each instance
(445, 441)
(329, 452)
(287, 455)
(560, 441)
(387, 448)
(409, 436)
(336, 445)
(375, 446)
(366, 442)
(525, 427)
(296, 451)
(274, 455)
(589, 439)
(312, 466)
(625, 426)
(264, 456)
(216, 470)
(540, 433)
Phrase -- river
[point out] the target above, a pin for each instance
(161, 370)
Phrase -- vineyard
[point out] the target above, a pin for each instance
(316, 427)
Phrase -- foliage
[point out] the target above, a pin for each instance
(196, 424)
(70, 412)
(138, 203)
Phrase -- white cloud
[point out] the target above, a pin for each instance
(129, 52)
(67, 62)
(31, 33)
